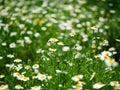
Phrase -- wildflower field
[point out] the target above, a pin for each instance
(59, 44)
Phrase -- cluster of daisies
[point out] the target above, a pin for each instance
(43, 44)
(98, 85)
(107, 57)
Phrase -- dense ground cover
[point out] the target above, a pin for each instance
(59, 44)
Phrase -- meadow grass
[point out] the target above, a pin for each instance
(59, 45)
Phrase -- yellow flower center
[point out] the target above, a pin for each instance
(114, 82)
(100, 83)
(111, 61)
(35, 86)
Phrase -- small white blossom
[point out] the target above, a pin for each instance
(18, 87)
(77, 77)
(98, 85)
(36, 88)
(36, 34)
(12, 45)
(66, 48)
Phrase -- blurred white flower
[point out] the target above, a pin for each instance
(98, 85)
(72, 34)
(111, 62)
(17, 60)
(44, 28)
(78, 47)
(18, 87)
(41, 77)
(4, 44)
(77, 77)
(21, 26)
(66, 48)
(27, 39)
(60, 43)
(12, 45)
(105, 55)
(1, 57)
(58, 71)
(29, 32)
(36, 88)
(52, 49)
(53, 40)
(117, 87)
(13, 34)
(36, 34)
(78, 55)
(10, 55)
(114, 83)
(35, 66)
(79, 85)
(2, 76)
(3, 87)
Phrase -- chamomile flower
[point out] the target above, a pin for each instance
(44, 28)
(78, 47)
(27, 67)
(114, 83)
(34, 77)
(105, 43)
(1, 57)
(66, 48)
(10, 55)
(13, 34)
(60, 85)
(98, 85)
(36, 34)
(18, 87)
(111, 62)
(95, 28)
(4, 44)
(77, 77)
(117, 87)
(112, 49)
(12, 45)
(36, 88)
(21, 26)
(60, 43)
(23, 78)
(78, 55)
(17, 60)
(20, 77)
(58, 71)
(35, 66)
(52, 49)
(2, 76)
(105, 55)
(79, 85)
(72, 34)
(53, 40)
(3, 87)
(27, 40)
(49, 77)
(29, 32)
(41, 77)
(18, 67)
(39, 51)
(16, 74)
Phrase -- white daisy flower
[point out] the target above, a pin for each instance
(66, 48)
(98, 85)
(77, 77)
